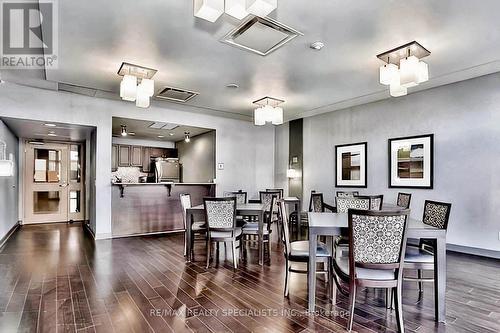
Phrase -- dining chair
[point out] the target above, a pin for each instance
(220, 214)
(421, 257)
(346, 194)
(376, 256)
(298, 252)
(376, 201)
(250, 231)
(346, 203)
(317, 204)
(265, 199)
(241, 197)
(404, 200)
(280, 190)
(199, 227)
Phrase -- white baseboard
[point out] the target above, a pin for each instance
(12, 230)
(473, 250)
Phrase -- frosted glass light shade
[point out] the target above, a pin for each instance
(397, 90)
(423, 72)
(409, 71)
(277, 116)
(209, 10)
(6, 168)
(236, 8)
(147, 87)
(389, 74)
(128, 88)
(258, 117)
(261, 8)
(142, 99)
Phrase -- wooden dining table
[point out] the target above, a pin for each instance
(249, 209)
(330, 224)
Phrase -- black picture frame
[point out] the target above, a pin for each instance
(364, 184)
(430, 156)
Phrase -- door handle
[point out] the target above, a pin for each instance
(63, 185)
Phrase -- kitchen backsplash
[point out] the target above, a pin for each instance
(128, 174)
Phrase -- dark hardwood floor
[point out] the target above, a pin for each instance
(54, 278)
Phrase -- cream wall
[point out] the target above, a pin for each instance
(246, 150)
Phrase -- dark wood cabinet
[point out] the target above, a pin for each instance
(146, 164)
(123, 156)
(136, 156)
(114, 158)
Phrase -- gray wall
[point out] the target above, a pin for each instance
(9, 199)
(240, 145)
(198, 158)
(465, 120)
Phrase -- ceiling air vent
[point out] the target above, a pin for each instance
(176, 94)
(261, 35)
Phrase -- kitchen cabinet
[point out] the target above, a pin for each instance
(146, 163)
(136, 156)
(114, 158)
(123, 156)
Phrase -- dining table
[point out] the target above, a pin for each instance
(330, 224)
(249, 209)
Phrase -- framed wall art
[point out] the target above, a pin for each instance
(350, 165)
(411, 161)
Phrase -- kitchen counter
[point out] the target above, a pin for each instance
(142, 208)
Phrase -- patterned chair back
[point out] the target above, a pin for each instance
(185, 203)
(436, 214)
(220, 213)
(286, 230)
(316, 203)
(241, 197)
(344, 194)
(280, 190)
(378, 239)
(404, 200)
(266, 200)
(376, 202)
(344, 204)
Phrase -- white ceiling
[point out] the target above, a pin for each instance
(463, 36)
(33, 129)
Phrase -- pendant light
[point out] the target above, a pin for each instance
(209, 10)
(128, 88)
(389, 74)
(186, 137)
(268, 111)
(124, 130)
(409, 71)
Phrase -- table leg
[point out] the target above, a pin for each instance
(311, 275)
(189, 220)
(440, 280)
(261, 238)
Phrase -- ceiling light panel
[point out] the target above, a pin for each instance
(260, 35)
(176, 94)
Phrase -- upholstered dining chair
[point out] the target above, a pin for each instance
(404, 200)
(346, 203)
(220, 215)
(251, 229)
(376, 201)
(280, 190)
(298, 252)
(421, 257)
(241, 197)
(376, 256)
(317, 204)
(197, 228)
(346, 194)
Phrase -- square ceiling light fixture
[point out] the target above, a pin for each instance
(209, 10)
(260, 35)
(261, 8)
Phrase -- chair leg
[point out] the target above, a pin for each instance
(420, 283)
(185, 243)
(352, 302)
(399, 308)
(235, 263)
(287, 277)
(208, 252)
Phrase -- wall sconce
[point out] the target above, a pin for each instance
(292, 173)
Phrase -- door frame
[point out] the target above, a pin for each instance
(25, 172)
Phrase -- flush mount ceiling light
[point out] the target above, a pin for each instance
(130, 91)
(261, 8)
(268, 111)
(260, 35)
(51, 134)
(403, 68)
(50, 125)
(187, 138)
(317, 45)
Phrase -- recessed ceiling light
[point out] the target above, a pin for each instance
(317, 45)
(52, 134)
(131, 133)
(50, 125)
(171, 134)
(161, 136)
(232, 85)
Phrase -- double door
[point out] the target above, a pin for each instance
(54, 183)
